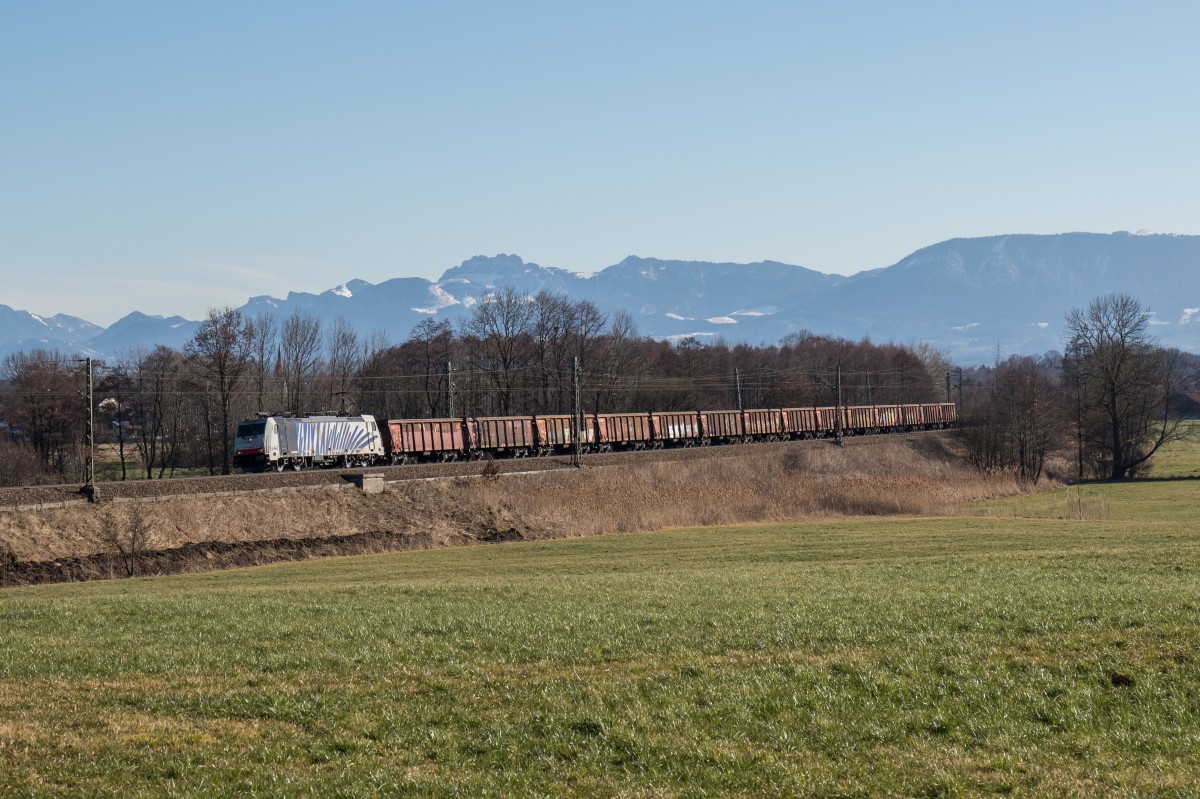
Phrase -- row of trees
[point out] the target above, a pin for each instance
(172, 409)
(1110, 401)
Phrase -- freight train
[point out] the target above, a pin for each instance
(286, 442)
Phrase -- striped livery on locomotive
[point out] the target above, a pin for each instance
(282, 442)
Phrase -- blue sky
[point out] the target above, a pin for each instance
(170, 157)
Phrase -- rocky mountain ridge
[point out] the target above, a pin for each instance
(969, 296)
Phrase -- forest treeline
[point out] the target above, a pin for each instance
(1105, 405)
(168, 410)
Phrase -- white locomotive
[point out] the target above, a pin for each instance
(281, 442)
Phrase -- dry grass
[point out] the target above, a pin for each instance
(78, 531)
(892, 476)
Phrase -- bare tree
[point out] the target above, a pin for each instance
(155, 407)
(128, 535)
(344, 358)
(1029, 415)
(383, 385)
(20, 465)
(116, 385)
(497, 334)
(550, 328)
(371, 372)
(936, 361)
(562, 330)
(44, 405)
(1124, 384)
(1014, 415)
(429, 348)
(219, 353)
(617, 364)
(588, 323)
(263, 337)
(298, 358)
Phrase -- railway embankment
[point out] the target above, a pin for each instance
(142, 528)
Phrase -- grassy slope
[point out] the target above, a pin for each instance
(915, 475)
(841, 658)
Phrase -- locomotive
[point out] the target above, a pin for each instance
(279, 442)
(286, 442)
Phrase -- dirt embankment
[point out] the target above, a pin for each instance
(911, 475)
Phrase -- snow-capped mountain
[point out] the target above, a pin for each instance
(970, 296)
(22, 330)
(140, 330)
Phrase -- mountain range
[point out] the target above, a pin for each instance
(973, 297)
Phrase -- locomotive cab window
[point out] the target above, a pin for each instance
(248, 429)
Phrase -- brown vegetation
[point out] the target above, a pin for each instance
(20, 465)
(910, 475)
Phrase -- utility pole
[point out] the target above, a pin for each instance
(737, 384)
(948, 388)
(576, 444)
(89, 490)
(837, 415)
(960, 384)
(449, 389)
(1079, 427)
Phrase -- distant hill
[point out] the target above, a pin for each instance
(22, 330)
(970, 296)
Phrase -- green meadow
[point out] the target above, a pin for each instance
(1044, 646)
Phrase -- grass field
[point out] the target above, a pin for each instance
(1168, 492)
(981, 655)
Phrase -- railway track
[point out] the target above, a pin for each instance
(181, 486)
